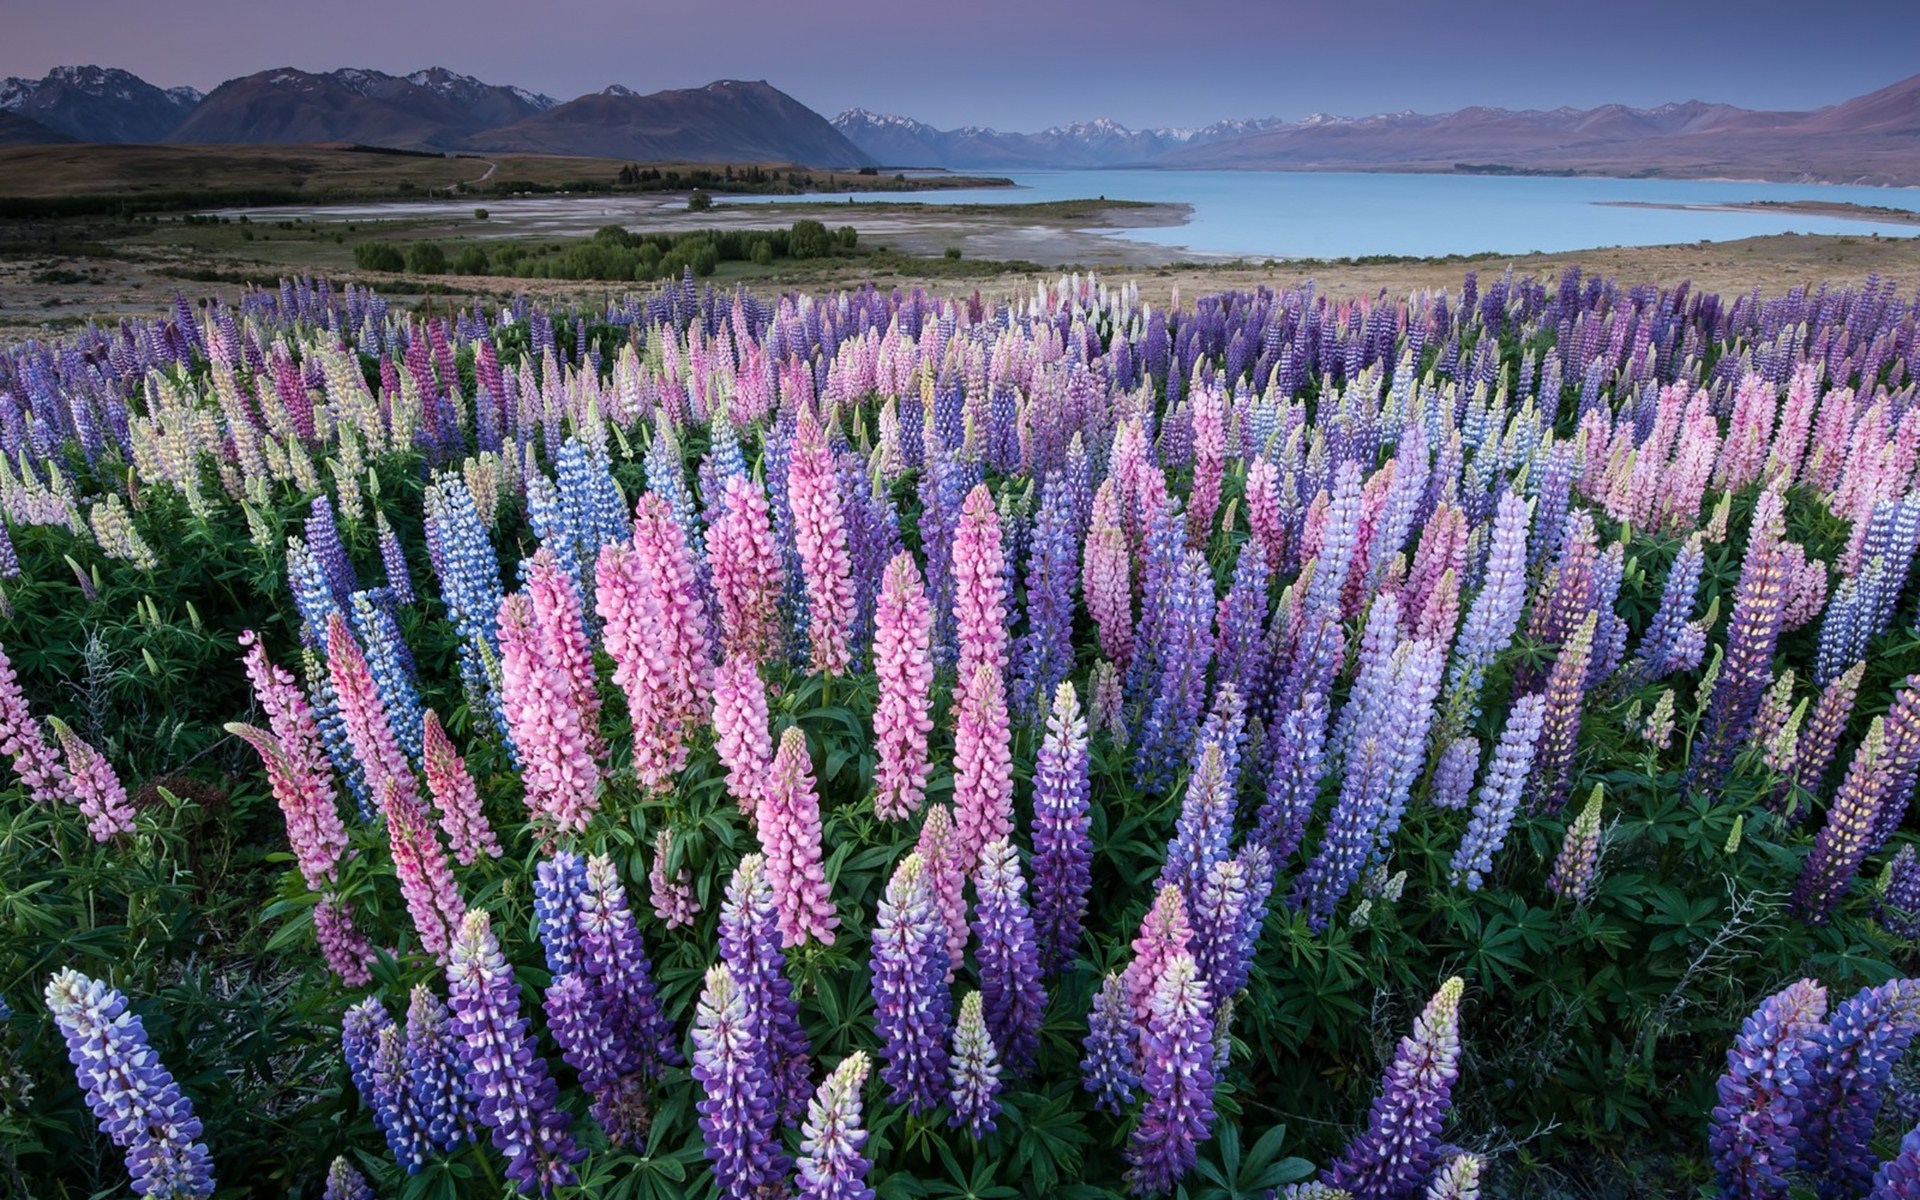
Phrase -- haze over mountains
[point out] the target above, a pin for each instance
(1873, 138)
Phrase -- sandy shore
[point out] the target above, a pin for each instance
(1838, 210)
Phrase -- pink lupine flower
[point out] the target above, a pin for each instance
(1164, 933)
(945, 878)
(1209, 462)
(820, 535)
(558, 613)
(1106, 576)
(740, 737)
(1263, 510)
(364, 715)
(35, 760)
(744, 562)
(979, 585)
(349, 955)
(982, 767)
(790, 833)
(454, 795)
(94, 786)
(561, 779)
(426, 881)
(671, 895)
(297, 767)
(902, 717)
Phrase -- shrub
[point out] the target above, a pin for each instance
(426, 258)
(379, 256)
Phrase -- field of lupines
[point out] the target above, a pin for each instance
(1443, 746)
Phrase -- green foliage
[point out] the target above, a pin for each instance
(426, 258)
(379, 256)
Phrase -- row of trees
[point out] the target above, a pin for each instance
(615, 254)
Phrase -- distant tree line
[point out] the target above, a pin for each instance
(615, 254)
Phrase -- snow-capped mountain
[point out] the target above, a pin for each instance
(98, 104)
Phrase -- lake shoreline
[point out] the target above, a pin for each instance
(1839, 210)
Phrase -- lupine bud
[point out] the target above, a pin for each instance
(1573, 870)
(1397, 1150)
(975, 1089)
(345, 1182)
(131, 1093)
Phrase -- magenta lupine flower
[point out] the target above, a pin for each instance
(1264, 515)
(739, 1115)
(1106, 576)
(1852, 1069)
(744, 562)
(516, 1097)
(1756, 1127)
(1560, 723)
(902, 715)
(94, 785)
(979, 586)
(750, 946)
(1499, 796)
(670, 894)
(368, 730)
(129, 1090)
(1397, 1150)
(831, 1165)
(975, 1067)
(348, 954)
(740, 733)
(1176, 1077)
(1062, 833)
(556, 762)
(35, 760)
(946, 880)
(345, 1182)
(297, 767)
(1110, 1070)
(1009, 962)
(911, 1001)
(1164, 933)
(562, 622)
(790, 834)
(820, 535)
(1844, 842)
(1209, 409)
(1453, 774)
(420, 864)
(982, 766)
(455, 797)
(1579, 859)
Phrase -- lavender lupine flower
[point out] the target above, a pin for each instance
(750, 945)
(1813, 753)
(911, 1000)
(35, 760)
(1397, 1150)
(1500, 794)
(436, 1074)
(1851, 1070)
(1176, 1051)
(1293, 782)
(831, 1165)
(975, 1066)
(1227, 916)
(131, 1093)
(345, 1182)
(1755, 1130)
(1579, 859)
(1109, 1070)
(1053, 568)
(1453, 774)
(1458, 1179)
(1669, 644)
(1062, 833)
(1240, 641)
(1495, 611)
(393, 561)
(1758, 608)
(516, 1098)
(739, 1113)
(1009, 962)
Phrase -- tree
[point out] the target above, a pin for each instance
(698, 201)
(378, 256)
(426, 258)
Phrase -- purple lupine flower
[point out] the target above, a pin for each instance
(1500, 794)
(1053, 567)
(1227, 916)
(1851, 1069)
(1755, 1129)
(345, 1182)
(393, 561)
(1204, 831)
(1293, 781)
(1109, 1070)
(436, 1074)
(1759, 607)
(975, 1067)
(129, 1090)
(1495, 611)
(514, 1095)
(1397, 1150)
(1844, 842)
(1899, 1177)
(831, 1165)
(739, 1113)
(360, 1030)
(1183, 647)
(1453, 774)
(1579, 858)
(1240, 642)
(614, 957)
(1009, 963)
(1062, 837)
(1176, 1051)
(1899, 909)
(750, 946)
(584, 1030)
(911, 1000)
(323, 542)
(558, 884)
(391, 1102)
(1667, 646)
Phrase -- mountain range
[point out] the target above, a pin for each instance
(1874, 138)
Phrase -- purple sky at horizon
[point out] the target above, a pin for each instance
(1017, 65)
